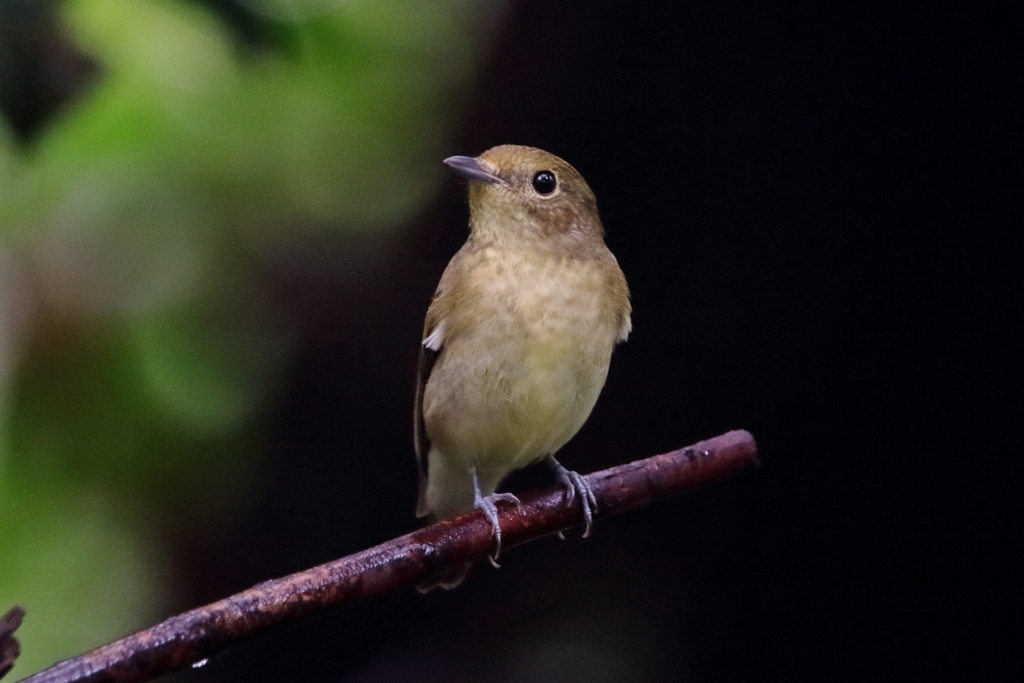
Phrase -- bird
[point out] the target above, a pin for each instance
(517, 339)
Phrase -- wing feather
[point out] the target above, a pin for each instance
(430, 349)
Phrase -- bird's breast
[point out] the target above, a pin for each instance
(552, 306)
(529, 360)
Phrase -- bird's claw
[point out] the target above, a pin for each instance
(490, 510)
(576, 485)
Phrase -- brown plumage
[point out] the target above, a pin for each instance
(518, 337)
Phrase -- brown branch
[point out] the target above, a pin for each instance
(402, 562)
(9, 649)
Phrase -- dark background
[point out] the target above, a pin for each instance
(817, 207)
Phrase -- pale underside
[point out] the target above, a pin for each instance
(518, 376)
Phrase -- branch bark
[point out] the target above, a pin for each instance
(406, 561)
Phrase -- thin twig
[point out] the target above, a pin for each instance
(9, 649)
(402, 562)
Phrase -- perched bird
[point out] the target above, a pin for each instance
(518, 337)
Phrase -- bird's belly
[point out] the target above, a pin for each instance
(514, 413)
(518, 387)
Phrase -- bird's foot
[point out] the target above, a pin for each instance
(576, 485)
(490, 510)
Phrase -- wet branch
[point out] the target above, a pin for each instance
(400, 563)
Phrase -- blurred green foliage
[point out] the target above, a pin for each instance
(135, 348)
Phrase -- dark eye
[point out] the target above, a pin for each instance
(544, 182)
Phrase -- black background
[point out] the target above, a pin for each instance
(817, 207)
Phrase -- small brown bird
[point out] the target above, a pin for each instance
(518, 337)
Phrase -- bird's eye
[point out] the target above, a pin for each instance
(544, 182)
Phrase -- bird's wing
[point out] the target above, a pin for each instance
(430, 349)
(625, 325)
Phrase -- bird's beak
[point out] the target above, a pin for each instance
(471, 168)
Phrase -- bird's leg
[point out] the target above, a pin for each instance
(486, 505)
(575, 484)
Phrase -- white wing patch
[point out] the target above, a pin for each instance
(434, 339)
(627, 327)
